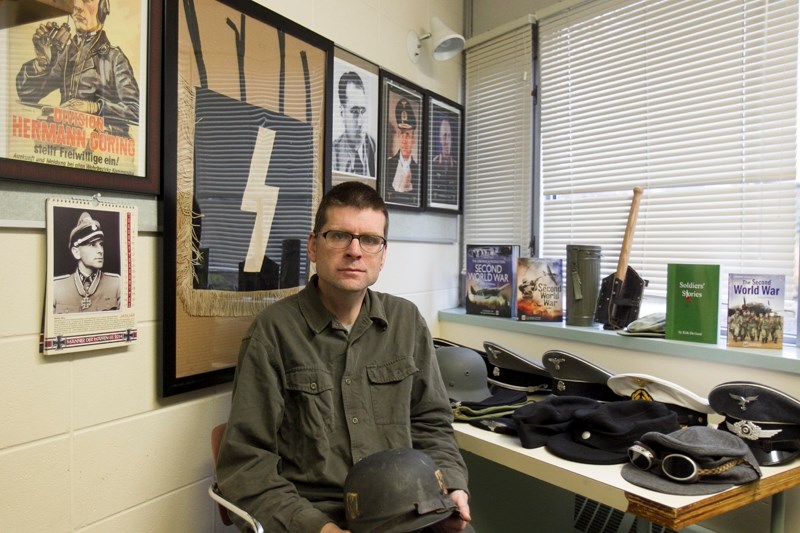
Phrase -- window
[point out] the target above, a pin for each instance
(499, 118)
(696, 101)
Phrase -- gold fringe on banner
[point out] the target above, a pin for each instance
(203, 302)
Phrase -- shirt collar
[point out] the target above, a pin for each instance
(318, 317)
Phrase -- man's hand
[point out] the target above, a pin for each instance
(330, 527)
(84, 106)
(41, 44)
(457, 522)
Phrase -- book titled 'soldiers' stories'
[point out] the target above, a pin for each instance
(491, 271)
(755, 310)
(692, 303)
(539, 282)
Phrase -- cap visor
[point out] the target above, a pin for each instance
(773, 458)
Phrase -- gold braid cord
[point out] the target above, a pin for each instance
(203, 302)
(721, 469)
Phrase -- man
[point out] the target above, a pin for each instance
(354, 149)
(402, 168)
(92, 76)
(444, 186)
(330, 375)
(88, 289)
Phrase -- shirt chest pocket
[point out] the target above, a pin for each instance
(390, 387)
(309, 402)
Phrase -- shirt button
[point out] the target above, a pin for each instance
(313, 386)
(348, 381)
(355, 420)
(585, 435)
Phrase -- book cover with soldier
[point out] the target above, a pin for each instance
(491, 271)
(755, 310)
(539, 282)
(693, 303)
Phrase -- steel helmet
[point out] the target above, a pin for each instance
(464, 373)
(395, 491)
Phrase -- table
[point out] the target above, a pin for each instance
(604, 483)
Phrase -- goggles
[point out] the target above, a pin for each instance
(676, 466)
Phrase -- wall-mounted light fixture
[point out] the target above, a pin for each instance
(446, 43)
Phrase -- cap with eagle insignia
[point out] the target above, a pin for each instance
(516, 372)
(767, 419)
(86, 231)
(690, 408)
(404, 115)
(575, 376)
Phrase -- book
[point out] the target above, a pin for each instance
(692, 303)
(539, 282)
(491, 270)
(755, 310)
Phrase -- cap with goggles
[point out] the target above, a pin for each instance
(676, 466)
(692, 461)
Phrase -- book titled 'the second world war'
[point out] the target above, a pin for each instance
(491, 270)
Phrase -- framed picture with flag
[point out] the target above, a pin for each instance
(245, 163)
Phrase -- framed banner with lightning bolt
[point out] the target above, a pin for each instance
(244, 168)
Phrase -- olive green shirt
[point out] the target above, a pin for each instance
(310, 400)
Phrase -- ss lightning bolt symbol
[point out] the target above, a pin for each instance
(260, 199)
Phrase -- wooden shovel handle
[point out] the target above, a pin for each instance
(627, 241)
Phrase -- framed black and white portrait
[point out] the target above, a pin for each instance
(354, 154)
(445, 155)
(401, 178)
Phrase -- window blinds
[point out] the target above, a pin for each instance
(498, 141)
(696, 101)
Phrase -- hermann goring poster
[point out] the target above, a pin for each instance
(73, 87)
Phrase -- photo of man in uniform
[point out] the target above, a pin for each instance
(92, 76)
(444, 186)
(402, 168)
(354, 150)
(88, 288)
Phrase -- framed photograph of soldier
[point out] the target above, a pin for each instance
(354, 121)
(246, 154)
(65, 118)
(401, 176)
(444, 155)
(90, 294)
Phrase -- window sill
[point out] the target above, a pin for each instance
(785, 360)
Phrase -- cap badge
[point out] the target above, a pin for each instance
(556, 361)
(496, 371)
(746, 429)
(743, 400)
(641, 394)
(561, 386)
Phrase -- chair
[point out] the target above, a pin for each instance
(225, 507)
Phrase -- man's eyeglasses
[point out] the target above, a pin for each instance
(676, 466)
(339, 240)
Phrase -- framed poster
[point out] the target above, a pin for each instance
(402, 134)
(445, 155)
(67, 119)
(244, 165)
(354, 119)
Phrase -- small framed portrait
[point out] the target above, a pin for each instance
(354, 154)
(402, 133)
(445, 155)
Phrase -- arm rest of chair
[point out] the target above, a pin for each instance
(215, 494)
